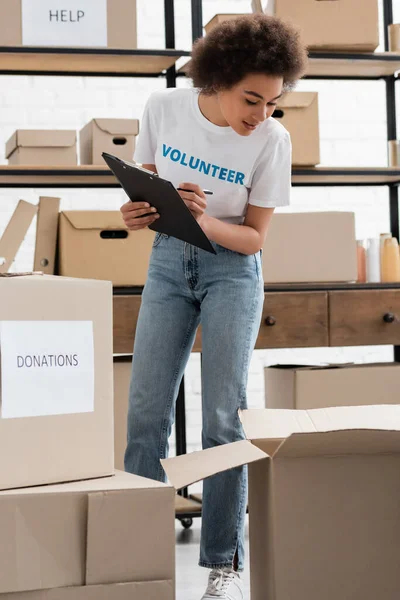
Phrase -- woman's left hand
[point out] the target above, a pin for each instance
(195, 200)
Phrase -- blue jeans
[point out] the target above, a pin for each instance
(187, 286)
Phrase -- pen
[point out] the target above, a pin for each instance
(208, 192)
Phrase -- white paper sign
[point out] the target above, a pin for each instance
(64, 23)
(47, 368)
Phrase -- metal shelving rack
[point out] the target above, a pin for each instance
(334, 66)
(92, 62)
(161, 63)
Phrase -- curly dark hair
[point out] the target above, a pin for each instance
(254, 43)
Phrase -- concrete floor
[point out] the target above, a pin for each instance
(191, 580)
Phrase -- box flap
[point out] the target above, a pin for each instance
(189, 468)
(119, 481)
(321, 367)
(274, 424)
(330, 366)
(297, 100)
(118, 126)
(15, 233)
(30, 138)
(339, 443)
(94, 219)
(280, 424)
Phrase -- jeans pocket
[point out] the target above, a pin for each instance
(157, 239)
(258, 264)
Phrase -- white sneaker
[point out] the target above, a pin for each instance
(224, 583)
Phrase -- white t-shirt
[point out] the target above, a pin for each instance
(239, 170)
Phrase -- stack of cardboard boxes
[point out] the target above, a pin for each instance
(71, 528)
(56, 148)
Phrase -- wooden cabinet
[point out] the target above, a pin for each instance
(290, 320)
(294, 320)
(125, 314)
(364, 317)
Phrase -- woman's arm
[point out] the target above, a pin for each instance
(248, 238)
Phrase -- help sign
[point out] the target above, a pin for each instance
(75, 23)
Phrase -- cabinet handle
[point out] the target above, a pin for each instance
(389, 318)
(270, 321)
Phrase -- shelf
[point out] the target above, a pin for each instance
(353, 66)
(184, 506)
(57, 177)
(289, 287)
(92, 176)
(342, 176)
(87, 61)
(326, 65)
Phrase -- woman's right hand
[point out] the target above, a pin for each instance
(132, 214)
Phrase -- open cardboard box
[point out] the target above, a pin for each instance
(324, 500)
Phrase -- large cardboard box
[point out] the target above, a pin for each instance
(143, 590)
(347, 25)
(310, 247)
(112, 530)
(292, 386)
(115, 136)
(42, 147)
(298, 113)
(122, 380)
(56, 419)
(111, 24)
(97, 245)
(324, 492)
(46, 235)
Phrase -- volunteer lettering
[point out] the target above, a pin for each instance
(66, 16)
(47, 360)
(223, 173)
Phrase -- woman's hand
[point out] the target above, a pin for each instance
(132, 214)
(195, 200)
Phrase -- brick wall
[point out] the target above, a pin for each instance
(353, 133)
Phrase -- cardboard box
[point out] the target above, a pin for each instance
(115, 136)
(122, 380)
(115, 28)
(56, 420)
(334, 25)
(15, 232)
(220, 18)
(97, 245)
(143, 590)
(292, 386)
(46, 235)
(112, 530)
(42, 147)
(324, 492)
(298, 113)
(310, 247)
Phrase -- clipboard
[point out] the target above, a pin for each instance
(175, 219)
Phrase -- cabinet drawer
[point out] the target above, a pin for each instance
(294, 320)
(125, 312)
(364, 317)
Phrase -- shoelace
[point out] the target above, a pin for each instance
(219, 582)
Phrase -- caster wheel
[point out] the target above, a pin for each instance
(187, 523)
